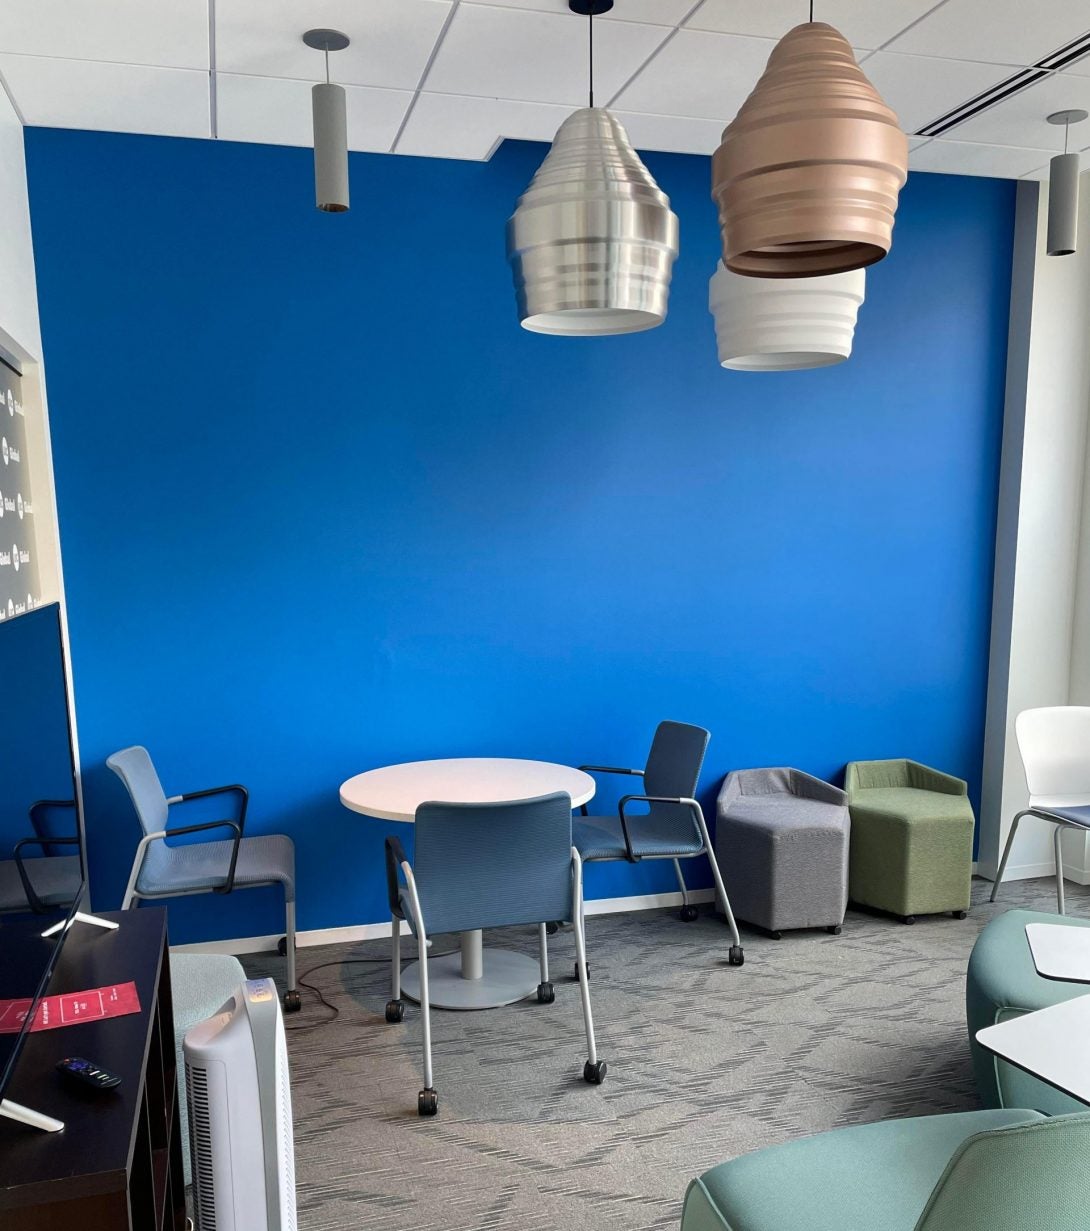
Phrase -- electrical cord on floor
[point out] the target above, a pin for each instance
(301, 981)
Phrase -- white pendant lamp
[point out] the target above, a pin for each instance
(1063, 191)
(330, 129)
(592, 241)
(784, 324)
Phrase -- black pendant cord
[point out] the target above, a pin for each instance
(811, 11)
(1067, 133)
(590, 45)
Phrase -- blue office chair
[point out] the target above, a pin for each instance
(163, 871)
(486, 866)
(672, 828)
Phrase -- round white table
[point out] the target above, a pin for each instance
(476, 978)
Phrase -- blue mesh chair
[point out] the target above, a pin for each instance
(673, 826)
(164, 871)
(487, 866)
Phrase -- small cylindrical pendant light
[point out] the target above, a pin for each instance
(330, 129)
(1063, 191)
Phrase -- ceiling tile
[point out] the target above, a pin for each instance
(1020, 119)
(392, 40)
(133, 98)
(673, 134)
(173, 33)
(1000, 31)
(655, 12)
(968, 158)
(922, 88)
(536, 57)
(277, 111)
(864, 25)
(698, 74)
(454, 126)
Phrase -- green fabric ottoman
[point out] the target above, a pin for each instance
(912, 838)
(972, 1171)
(1001, 983)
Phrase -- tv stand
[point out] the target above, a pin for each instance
(97, 921)
(118, 1164)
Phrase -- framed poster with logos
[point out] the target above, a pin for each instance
(20, 583)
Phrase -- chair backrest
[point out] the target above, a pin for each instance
(1011, 1179)
(674, 762)
(1055, 745)
(490, 865)
(133, 766)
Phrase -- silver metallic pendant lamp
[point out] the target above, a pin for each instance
(1063, 191)
(330, 129)
(592, 241)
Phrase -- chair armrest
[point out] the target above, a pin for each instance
(607, 769)
(692, 805)
(229, 884)
(232, 789)
(411, 910)
(34, 902)
(927, 779)
(395, 858)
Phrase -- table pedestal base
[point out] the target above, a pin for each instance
(506, 978)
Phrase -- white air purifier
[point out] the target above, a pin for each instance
(240, 1131)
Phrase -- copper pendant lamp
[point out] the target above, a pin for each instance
(808, 173)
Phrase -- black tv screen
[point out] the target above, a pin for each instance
(42, 865)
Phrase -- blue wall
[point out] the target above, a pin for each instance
(324, 506)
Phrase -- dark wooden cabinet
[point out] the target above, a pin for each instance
(117, 1166)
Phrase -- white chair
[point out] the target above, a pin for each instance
(1054, 742)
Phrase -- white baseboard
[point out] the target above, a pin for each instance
(381, 931)
(1030, 871)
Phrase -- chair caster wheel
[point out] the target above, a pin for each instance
(687, 914)
(960, 914)
(736, 957)
(577, 971)
(775, 935)
(292, 1003)
(834, 930)
(595, 1074)
(395, 1010)
(427, 1102)
(545, 993)
(552, 927)
(282, 946)
(909, 920)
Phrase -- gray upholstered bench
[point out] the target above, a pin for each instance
(782, 844)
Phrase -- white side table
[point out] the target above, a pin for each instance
(1049, 1044)
(476, 978)
(1060, 951)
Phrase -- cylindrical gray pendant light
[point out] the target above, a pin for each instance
(330, 129)
(1063, 191)
(592, 241)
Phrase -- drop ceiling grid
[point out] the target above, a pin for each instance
(138, 65)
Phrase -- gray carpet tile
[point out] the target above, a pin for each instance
(706, 1061)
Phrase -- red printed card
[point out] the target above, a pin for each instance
(71, 1008)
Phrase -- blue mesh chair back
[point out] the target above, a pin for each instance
(493, 865)
(673, 768)
(135, 769)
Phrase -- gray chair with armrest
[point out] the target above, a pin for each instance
(55, 878)
(673, 827)
(485, 866)
(160, 870)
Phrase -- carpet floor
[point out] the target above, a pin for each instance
(706, 1061)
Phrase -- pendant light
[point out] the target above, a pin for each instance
(1063, 191)
(784, 324)
(592, 241)
(809, 170)
(330, 129)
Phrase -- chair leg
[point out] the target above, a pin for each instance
(687, 912)
(545, 992)
(292, 1003)
(594, 1071)
(395, 1006)
(736, 957)
(427, 1101)
(1006, 855)
(1057, 842)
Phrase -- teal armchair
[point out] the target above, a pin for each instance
(973, 1171)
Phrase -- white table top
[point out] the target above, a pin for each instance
(1051, 1044)
(1060, 951)
(395, 792)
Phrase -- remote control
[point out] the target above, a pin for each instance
(87, 1073)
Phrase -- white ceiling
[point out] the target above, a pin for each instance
(453, 78)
